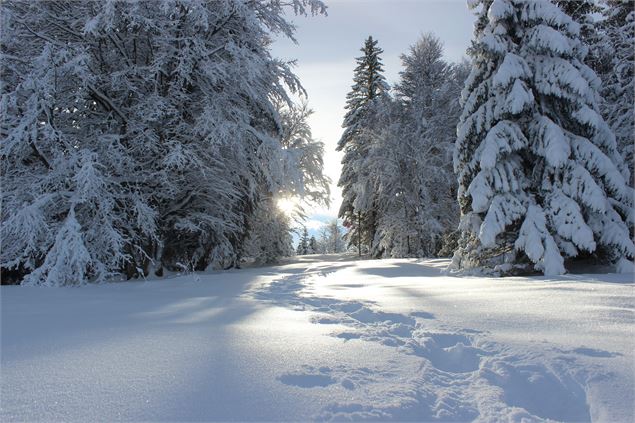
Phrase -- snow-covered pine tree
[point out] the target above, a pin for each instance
(538, 167)
(363, 104)
(416, 190)
(154, 122)
(619, 78)
(313, 246)
(585, 13)
(332, 238)
(303, 243)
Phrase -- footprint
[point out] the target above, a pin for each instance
(309, 377)
(449, 352)
(348, 335)
(593, 352)
(445, 340)
(326, 320)
(348, 384)
(540, 391)
(303, 380)
(422, 315)
(366, 315)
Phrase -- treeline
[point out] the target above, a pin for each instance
(330, 240)
(398, 187)
(139, 136)
(543, 148)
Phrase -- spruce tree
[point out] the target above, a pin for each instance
(412, 160)
(582, 11)
(303, 245)
(313, 246)
(618, 79)
(363, 101)
(538, 167)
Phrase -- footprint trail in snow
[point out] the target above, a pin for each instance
(462, 374)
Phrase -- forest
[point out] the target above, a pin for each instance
(400, 218)
(142, 137)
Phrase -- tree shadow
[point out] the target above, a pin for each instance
(403, 270)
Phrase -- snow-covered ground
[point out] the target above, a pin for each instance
(322, 338)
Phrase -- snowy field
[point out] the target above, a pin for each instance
(322, 338)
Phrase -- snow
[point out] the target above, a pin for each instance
(504, 137)
(513, 67)
(551, 143)
(519, 98)
(322, 338)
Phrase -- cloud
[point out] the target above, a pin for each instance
(313, 224)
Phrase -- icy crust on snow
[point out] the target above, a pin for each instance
(323, 339)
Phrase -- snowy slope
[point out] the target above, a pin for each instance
(322, 338)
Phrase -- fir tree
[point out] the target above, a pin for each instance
(363, 102)
(303, 245)
(331, 238)
(313, 246)
(619, 77)
(412, 161)
(582, 12)
(537, 165)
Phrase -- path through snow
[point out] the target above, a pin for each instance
(323, 339)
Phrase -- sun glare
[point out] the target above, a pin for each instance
(287, 205)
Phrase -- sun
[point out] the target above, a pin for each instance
(287, 205)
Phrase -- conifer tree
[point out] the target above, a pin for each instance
(538, 167)
(313, 246)
(360, 125)
(619, 77)
(331, 238)
(303, 244)
(412, 160)
(582, 12)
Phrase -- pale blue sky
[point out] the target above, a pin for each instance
(327, 47)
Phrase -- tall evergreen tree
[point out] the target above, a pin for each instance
(303, 244)
(360, 126)
(538, 167)
(585, 12)
(313, 246)
(619, 77)
(413, 160)
(331, 238)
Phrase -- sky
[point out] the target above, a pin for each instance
(328, 45)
